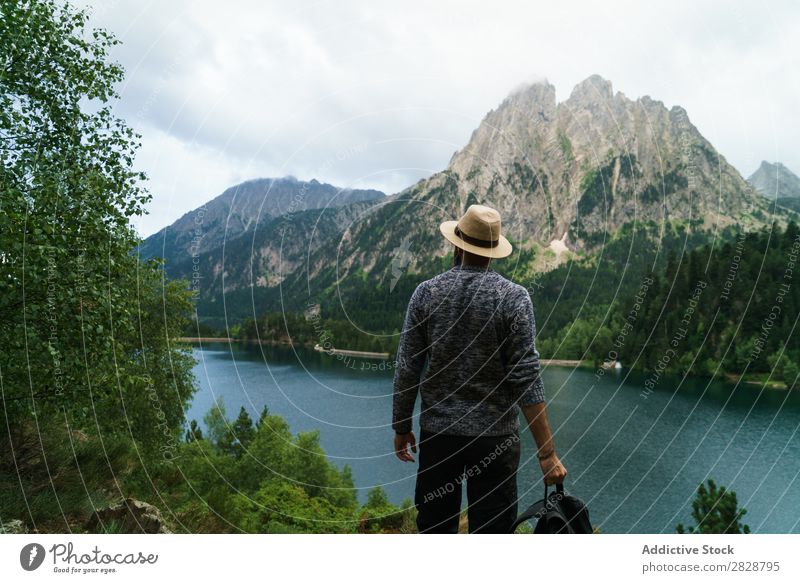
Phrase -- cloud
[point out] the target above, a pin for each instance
(181, 176)
(245, 89)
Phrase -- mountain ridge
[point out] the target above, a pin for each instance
(574, 171)
(240, 208)
(775, 181)
(580, 168)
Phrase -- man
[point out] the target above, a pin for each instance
(475, 331)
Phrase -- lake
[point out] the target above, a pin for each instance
(635, 460)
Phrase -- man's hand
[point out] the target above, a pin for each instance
(553, 470)
(402, 443)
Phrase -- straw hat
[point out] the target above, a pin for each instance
(478, 232)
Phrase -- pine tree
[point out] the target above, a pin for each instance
(264, 415)
(715, 511)
(243, 432)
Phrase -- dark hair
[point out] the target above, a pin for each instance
(462, 256)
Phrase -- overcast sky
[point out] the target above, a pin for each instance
(380, 94)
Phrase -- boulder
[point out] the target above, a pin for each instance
(130, 517)
(15, 526)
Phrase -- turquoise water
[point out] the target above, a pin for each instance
(635, 461)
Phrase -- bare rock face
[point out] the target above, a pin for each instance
(592, 162)
(572, 172)
(131, 517)
(775, 181)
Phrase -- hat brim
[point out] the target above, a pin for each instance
(503, 249)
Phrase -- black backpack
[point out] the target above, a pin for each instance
(557, 513)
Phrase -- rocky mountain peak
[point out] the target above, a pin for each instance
(537, 97)
(775, 181)
(772, 167)
(592, 89)
(590, 163)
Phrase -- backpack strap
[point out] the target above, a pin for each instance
(531, 511)
(535, 508)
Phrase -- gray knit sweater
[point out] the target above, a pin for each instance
(475, 330)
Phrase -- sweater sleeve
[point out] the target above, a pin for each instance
(523, 371)
(411, 355)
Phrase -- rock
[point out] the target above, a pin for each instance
(592, 89)
(15, 526)
(585, 166)
(131, 517)
(775, 181)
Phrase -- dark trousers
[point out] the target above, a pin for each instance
(489, 467)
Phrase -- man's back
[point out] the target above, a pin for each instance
(476, 330)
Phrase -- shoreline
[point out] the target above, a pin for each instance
(545, 362)
(753, 379)
(344, 351)
(210, 340)
(353, 353)
(201, 339)
(316, 347)
(559, 362)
